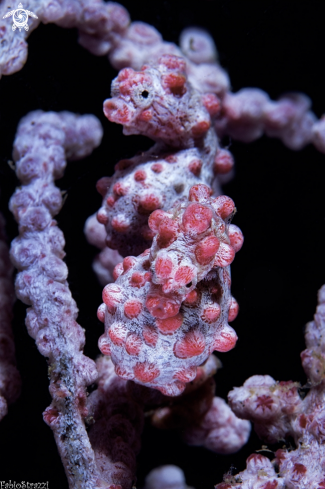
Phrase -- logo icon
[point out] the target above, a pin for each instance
(20, 17)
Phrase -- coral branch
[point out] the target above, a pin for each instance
(118, 407)
(105, 28)
(278, 412)
(249, 113)
(201, 418)
(105, 262)
(92, 18)
(9, 375)
(220, 430)
(118, 422)
(42, 143)
(169, 307)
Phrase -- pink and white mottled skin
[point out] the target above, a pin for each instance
(9, 375)
(143, 184)
(158, 102)
(244, 115)
(105, 460)
(105, 29)
(141, 44)
(279, 412)
(296, 130)
(31, 172)
(169, 308)
(147, 336)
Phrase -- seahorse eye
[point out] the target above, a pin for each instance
(145, 94)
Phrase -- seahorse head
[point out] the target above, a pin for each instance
(159, 102)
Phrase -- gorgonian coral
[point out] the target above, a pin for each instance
(245, 115)
(279, 412)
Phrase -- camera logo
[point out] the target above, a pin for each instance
(20, 17)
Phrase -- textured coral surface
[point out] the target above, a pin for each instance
(280, 412)
(279, 195)
(43, 143)
(196, 239)
(9, 375)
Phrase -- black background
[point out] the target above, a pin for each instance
(277, 46)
